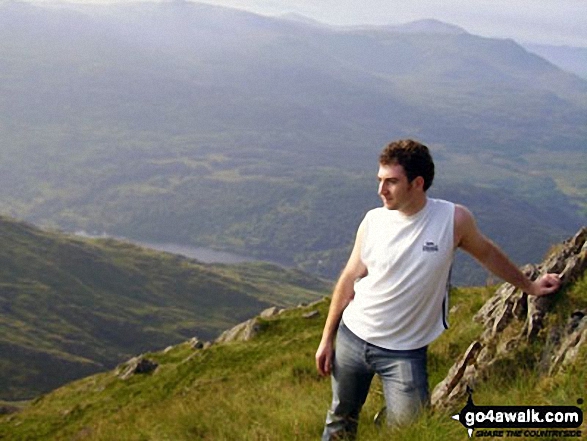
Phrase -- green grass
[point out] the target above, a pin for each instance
(268, 388)
(102, 301)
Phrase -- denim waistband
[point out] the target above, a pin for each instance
(343, 328)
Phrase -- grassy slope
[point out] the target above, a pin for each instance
(70, 306)
(267, 389)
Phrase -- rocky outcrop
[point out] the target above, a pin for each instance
(196, 343)
(511, 319)
(247, 330)
(136, 365)
(241, 332)
(311, 314)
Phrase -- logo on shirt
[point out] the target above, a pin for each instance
(430, 247)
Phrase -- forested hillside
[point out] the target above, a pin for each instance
(187, 123)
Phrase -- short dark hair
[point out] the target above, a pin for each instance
(413, 156)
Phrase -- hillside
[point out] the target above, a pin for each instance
(267, 387)
(194, 124)
(572, 59)
(71, 307)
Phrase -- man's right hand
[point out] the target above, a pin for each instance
(324, 356)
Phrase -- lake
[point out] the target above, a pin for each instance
(205, 255)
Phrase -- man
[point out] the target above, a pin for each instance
(390, 301)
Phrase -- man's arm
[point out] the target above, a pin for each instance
(343, 293)
(469, 238)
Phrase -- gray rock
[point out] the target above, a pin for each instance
(269, 312)
(510, 310)
(569, 347)
(136, 365)
(242, 332)
(196, 343)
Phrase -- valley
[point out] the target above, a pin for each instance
(71, 307)
(155, 124)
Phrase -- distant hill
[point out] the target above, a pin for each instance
(429, 26)
(195, 124)
(572, 59)
(71, 307)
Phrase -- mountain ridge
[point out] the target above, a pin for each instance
(570, 58)
(73, 306)
(221, 128)
(421, 26)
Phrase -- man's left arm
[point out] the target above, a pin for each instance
(469, 238)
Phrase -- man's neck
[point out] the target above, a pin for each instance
(415, 207)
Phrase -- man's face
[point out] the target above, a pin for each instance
(394, 189)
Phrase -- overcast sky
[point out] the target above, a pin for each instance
(558, 22)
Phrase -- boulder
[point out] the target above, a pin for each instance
(136, 365)
(311, 314)
(269, 312)
(242, 332)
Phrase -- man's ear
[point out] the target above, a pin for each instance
(418, 182)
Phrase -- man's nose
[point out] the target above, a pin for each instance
(382, 188)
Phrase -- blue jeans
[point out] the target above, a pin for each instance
(403, 375)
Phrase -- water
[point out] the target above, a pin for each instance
(205, 255)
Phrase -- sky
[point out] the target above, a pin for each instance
(555, 22)
(541, 21)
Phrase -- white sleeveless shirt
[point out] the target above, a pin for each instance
(402, 303)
